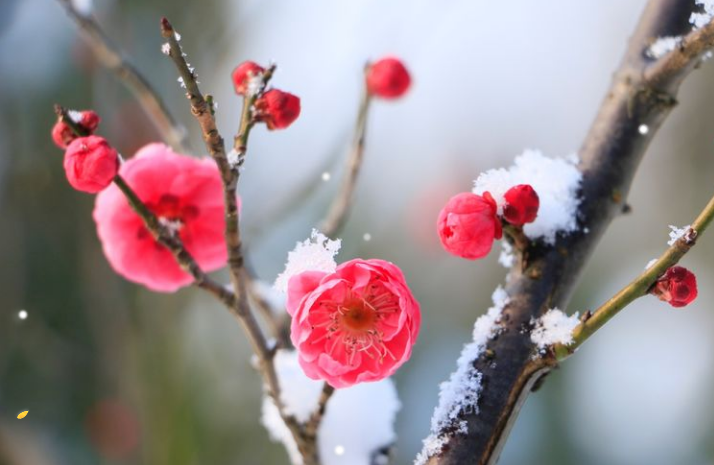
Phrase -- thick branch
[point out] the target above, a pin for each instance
(113, 59)
(609, 158)
(340, 207)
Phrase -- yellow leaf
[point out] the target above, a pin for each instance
(22, 415)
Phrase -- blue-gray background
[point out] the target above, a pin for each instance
(99, 354)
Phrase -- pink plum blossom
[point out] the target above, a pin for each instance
(186, 195)
(354, 325)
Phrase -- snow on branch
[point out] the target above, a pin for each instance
(556, 180)
(358, 422)
(676, 233)
(461, 392)
(554, 327)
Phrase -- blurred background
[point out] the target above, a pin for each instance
(114, 374)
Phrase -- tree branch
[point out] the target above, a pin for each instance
(340, 207)
(642, 94)
(114, 60)
(640, 286)
(240, 277)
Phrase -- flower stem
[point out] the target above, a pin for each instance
(639, 286)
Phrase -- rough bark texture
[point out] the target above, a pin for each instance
(641, 93)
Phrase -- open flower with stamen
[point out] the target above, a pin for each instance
(186, 195)
(356, 324)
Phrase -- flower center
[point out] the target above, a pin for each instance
(358, 317)
(355, 323)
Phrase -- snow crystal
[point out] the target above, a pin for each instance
(314, 254)
(662, 46)
(173, 226)
(83, 7)
(650, 263)
(461, 392)
(556, 180)
(177, 36)
(358, 420)
(643, 129)
(255, 83)
(233, 158)
(676, 233)
(699, 20)
(180, 81)
(326, 176)
(555, 327)
(75, 116)
(166, 49)
(22, 314)
(367, 237)
(506, 258)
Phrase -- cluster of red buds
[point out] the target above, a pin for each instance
(90, 163)
(469, 223)
(276, 108)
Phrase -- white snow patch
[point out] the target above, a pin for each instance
(358, 420)
(166, 49)
(314, 254)
(75, 116)
(699, 20)
(554, 327)
(676, 233)
(180, 81)
(556, 180)
(461, 392)
(177, 36)
(254, 84)
(233, 158)
(83, 7)
(506, 258)
(662, 46)
(172, 226)
(650, 263)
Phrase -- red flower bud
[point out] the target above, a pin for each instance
(677, 286)
(278, 109)
(468, 225)
(242, 73)
(521, 205)
(90, 164)
(388, 78)
(62, 134)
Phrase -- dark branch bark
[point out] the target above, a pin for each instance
(643, 92)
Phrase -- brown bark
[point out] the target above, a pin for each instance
(643, 92)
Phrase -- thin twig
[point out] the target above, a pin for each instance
(279, 327)
(115, 60)
(76, 128)
(313, 424)
(340, 207)
(172, 242)
(240, 278)
(640, 286)
(687, 55)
